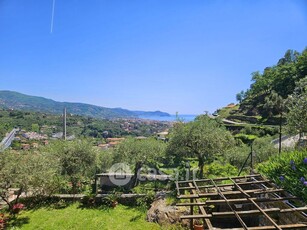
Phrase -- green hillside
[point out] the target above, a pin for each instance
(269, 94)
(15, 100)
(80, 126)
(270, 89)
(276, 98)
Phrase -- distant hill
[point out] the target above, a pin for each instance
(19, 101)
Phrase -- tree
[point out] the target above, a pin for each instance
(240, 96)
(204, 138)
(104, 160)
(77, 160)
(35, 128)
(32, 172)
(280, 78)
(289, 57)
(297, 106)
(139, 152)
(275, 104)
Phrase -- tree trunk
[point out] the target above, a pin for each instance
(137, 167)
(7, 202)
(280, 133)
(201, 164)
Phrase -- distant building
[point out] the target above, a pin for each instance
(103, 146)
(58, 135)
(25, 146)
(17, 139)
(117, 139)
(231, 105)
(34, 136)
(34, 145)
(162, 135)
(45, 142)
(113, 143)
(141, 138)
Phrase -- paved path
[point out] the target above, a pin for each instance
(287, 141)
(7, 141)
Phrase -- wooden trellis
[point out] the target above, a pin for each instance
(244, 202)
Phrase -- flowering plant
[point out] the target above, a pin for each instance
(289, 170)
(3, 221)
(17, 208)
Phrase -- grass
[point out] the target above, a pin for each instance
(74, 217)
(225, 112)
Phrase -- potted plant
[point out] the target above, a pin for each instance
(198, 225)
(112, 198)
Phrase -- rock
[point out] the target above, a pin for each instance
(164, 214)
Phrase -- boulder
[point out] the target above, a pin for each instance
(164, 214)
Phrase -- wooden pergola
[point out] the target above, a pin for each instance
(244, 202)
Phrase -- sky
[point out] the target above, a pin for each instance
(185, 56)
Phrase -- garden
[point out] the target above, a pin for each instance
(53, 187)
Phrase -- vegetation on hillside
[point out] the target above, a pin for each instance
(18, 101)
(80, 126)
(280, 79)
(278, 94)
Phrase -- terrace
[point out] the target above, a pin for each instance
(235, 203)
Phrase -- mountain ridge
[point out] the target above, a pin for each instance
(19, 101)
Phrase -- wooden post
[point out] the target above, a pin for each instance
(64, 124)
(252, 155)
(191, 211)
(280, 134)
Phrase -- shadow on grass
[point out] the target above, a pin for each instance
(18, 222)
(35, 203)
(91, 203)
(136, 218)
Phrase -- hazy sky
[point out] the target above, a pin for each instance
(180, 56)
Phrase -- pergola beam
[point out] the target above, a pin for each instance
(239, 201)
(221, 178)
(233, 192)
(252, 191)
(257, 206)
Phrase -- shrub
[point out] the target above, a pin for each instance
(289, 170)
(217, 169)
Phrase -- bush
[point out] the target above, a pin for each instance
(245, 138)
(263, 149)
(237, 155)
(217, 169)
(289, 170)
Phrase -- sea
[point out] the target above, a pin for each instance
(184, 118)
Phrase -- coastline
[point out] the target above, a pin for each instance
(171, 118)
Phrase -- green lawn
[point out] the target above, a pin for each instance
(74, 217)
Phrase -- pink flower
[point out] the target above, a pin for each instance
(17, 207)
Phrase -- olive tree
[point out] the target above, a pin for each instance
(297, 109)
(29, 172)
(77, 160)
(275, 104)
(139, 152)
(203, 138)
